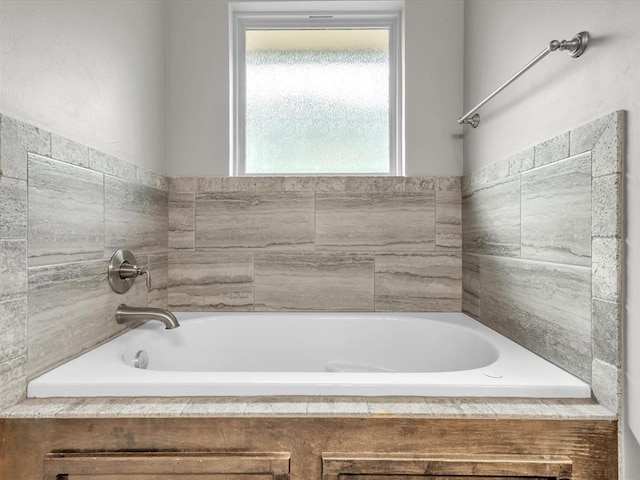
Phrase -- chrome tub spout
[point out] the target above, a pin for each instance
(131, 315)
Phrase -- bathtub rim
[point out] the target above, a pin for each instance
(235, 383)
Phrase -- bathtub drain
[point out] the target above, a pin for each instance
(141, 360)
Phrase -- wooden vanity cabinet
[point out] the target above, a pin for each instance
(304, 448)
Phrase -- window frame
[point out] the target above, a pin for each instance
(287, 15)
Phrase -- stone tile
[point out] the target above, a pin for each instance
(491, 219)
(327, 408)
(429, 282)
(314, 281)
(449, 223)
(153, 407)
(556, 212)
(452, 196)
(13, 329)
(429, 183)
(342, 183)
(258, 221)
(386, 184)
(13, 382)
(319, 184)
(607, 267)
(374, 221)
(37, 407)
(162, 182)
(544, 307)
(606, 327)
(13, 270)
(182, 184)
(271, 408)
(214, 407)
(471, 284)
(211, 281)
(246, 184)
(448, 184)
(608, 152)
(13, 208)
(66, 213)
(474, 407)
(110, 165)
(488, 174)
(521, 162)
(583, 139)
(93, 407)
(69, 151)
(579, 408)
(309, 184)
(552, 150)
(206, 184)
(16, 140)
(158, 265)
(182, 220)
(448, 237)
(60, 325)
(519, 408)
(607, 206)
(406, 407)
(605, 385)
(444, 408)
(136, 217)
(145, 177)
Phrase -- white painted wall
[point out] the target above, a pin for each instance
(93, 71)
(556, 95)
(198, 95)
(198, 120)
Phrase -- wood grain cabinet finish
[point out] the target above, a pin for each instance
(166, 466)
(239, 448)
(341, 466)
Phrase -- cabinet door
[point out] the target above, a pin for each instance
(393, 466)
(166, 466)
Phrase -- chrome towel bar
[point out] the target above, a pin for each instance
(574, 48)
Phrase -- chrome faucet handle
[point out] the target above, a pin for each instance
(127, 270)
(123, 271)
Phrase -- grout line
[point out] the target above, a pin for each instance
(520, 178)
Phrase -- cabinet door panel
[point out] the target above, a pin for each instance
(185, 476)
(395, 466)
(431, 477)
(166, 465)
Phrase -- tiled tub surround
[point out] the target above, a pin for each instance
(232, 270)
(64, 209)
(315, 244)
(542, 241)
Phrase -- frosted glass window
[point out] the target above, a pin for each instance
(317, 101)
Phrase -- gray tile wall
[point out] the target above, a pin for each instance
(315, 243)
(542, 241)
(75, 206)
(541, 231)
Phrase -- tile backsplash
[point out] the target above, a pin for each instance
(531, 246)
(64, 210)
(542, 242)
(315, 244)
(221, 244)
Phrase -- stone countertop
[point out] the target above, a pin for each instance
(372, 407)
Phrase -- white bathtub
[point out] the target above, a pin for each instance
(372, 354)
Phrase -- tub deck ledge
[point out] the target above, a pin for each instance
(371, 407)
